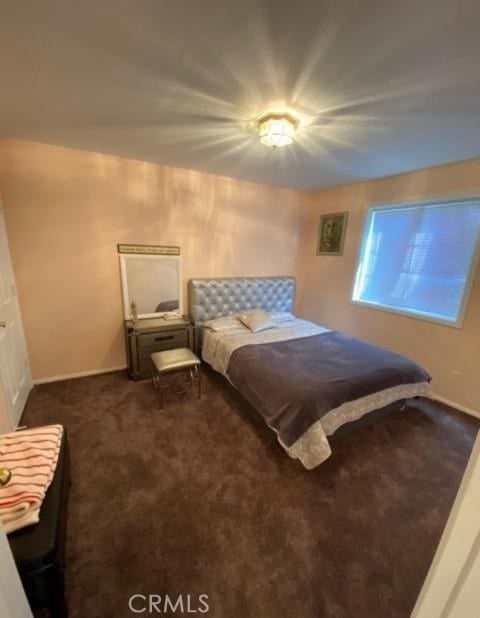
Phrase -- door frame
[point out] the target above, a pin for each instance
(449, 589)
(5, 406)
(13, 601)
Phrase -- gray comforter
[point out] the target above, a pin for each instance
(294, 383)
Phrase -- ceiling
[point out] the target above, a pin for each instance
(381, 86)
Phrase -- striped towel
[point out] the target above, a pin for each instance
(31, 456)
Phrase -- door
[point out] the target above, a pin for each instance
(13, 602)
(14, 365)
(451, 589)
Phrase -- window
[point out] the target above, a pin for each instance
(419, 259)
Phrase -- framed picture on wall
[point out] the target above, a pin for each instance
(331, 233)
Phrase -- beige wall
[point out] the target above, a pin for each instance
(5, 421)
(66, 210)
(451, 355)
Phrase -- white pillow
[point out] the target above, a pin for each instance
(257, 320)
(281, 316)
(226, 323)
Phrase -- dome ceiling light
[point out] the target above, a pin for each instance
(277, 130)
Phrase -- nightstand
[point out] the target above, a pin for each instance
(143, 337)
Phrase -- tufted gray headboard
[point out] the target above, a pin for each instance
(214, 298)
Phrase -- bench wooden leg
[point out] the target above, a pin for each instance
(195, 377)
(157, 385)
(155, 378)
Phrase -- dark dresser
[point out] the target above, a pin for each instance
(143, 337)
(39, 550)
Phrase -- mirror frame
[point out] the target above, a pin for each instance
(124, 257)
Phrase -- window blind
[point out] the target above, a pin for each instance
(418, 258)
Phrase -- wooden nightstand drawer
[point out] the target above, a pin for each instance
(163, 340)
(144, 337)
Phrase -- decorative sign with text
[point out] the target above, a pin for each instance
(148, 249)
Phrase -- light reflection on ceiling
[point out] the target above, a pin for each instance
(380, 88)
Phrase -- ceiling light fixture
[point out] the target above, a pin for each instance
(277, 130)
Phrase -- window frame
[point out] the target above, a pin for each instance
(474, 266)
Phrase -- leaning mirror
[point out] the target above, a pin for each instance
(151, 285)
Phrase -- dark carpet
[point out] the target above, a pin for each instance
(200, 499)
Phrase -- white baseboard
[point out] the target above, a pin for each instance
(82, 374)
(458, 406)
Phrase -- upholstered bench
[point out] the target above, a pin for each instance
(39, 550)
(172, 361)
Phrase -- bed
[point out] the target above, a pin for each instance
(310, 384)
